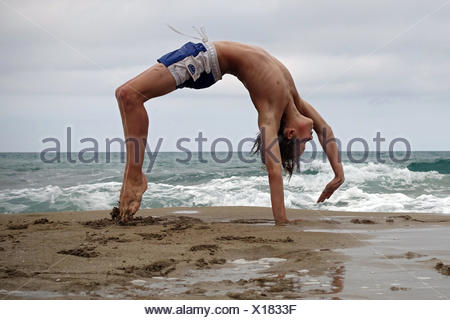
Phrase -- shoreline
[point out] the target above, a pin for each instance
(263, 212)
(222, 253)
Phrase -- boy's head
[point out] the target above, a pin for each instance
(292, 137)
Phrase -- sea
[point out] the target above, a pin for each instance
(418, 182)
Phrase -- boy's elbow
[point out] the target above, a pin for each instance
(274, 171)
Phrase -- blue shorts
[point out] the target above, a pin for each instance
(194, 65)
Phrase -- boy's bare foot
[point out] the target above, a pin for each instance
(282, 222)
(131, 197)
(287, 222)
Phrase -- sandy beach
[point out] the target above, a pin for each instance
(224, 253)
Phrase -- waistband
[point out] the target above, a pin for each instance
(212, 55)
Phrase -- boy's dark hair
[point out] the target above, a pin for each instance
(287, 148)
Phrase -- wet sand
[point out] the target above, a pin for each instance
(224, 253)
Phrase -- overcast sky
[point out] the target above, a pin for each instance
(366, 66)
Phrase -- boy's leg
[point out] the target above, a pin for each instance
(153, 82)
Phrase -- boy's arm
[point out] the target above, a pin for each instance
(329, 145)
(270, 153)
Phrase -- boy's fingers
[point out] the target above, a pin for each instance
(326, 194)
(328, 191)
(322, 197)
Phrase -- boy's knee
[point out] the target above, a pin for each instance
(127, 95)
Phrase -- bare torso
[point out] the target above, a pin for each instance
(268, 81)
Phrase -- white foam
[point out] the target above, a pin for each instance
(302, 191)
(186, 211)
(243, 261)
(270, 260)
(138, 282)
(310, 283)
(81, 197)
(303, 271)
(262, 261)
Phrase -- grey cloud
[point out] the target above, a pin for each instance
(325, 44)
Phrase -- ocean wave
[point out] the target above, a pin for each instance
(438, 165)
(54, 198)
(355, 199)
(368, 187)
(300, 192)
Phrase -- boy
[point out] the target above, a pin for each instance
(283, 116)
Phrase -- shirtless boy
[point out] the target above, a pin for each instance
(285, 119)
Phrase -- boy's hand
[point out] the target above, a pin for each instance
(331, 188)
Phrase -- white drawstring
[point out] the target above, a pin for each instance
(202, 33)
(208, 57)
